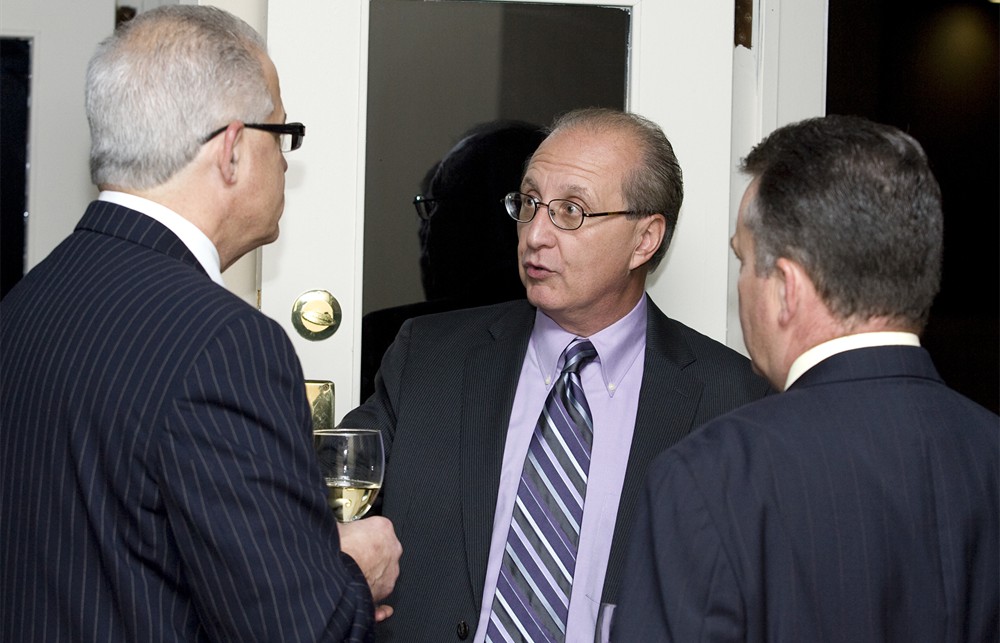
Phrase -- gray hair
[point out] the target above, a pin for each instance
(654, 184)
(161, 83)
(855, 203)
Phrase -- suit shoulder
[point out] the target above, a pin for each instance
(469, 321)
(719, 367)
(707, 348)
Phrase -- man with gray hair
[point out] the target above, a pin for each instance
(159, 481)
(861, 503)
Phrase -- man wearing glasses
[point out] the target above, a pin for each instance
(158, 476)
(517, 435)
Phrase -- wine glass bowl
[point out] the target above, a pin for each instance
(352, 462)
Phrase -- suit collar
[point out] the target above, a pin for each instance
(870, 363)
(663, 339)
(130, 225)
(193, 237)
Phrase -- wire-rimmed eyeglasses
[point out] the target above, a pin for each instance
(425, 206)
(290, 135)
(565, 214)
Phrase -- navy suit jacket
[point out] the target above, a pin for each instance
(158, 481)
(443, 400)
(860, 505)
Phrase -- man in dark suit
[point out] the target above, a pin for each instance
(458, 396)
(861, 503)
(158, 479)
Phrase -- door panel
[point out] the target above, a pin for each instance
(679, 75)
(320, 51)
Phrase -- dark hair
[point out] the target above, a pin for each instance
(855, 203)
(655, 183)
(469, 245)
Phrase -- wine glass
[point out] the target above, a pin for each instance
(352, 462)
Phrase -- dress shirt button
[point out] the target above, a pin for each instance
(462, 630)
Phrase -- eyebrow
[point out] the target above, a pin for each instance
(575, 191)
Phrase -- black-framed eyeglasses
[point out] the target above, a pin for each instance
(565, 214)
(425, 206)
(290, 135)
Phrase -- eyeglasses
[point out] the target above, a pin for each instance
(565, 214)
(290, 135)
(425, 207)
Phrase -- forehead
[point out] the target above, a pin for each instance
(271, 77)
(742, 236)
(580, 160)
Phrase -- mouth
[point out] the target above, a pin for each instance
(535, 270)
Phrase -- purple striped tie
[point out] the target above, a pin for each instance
(533, 589)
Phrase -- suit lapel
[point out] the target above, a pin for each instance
(668, 403)
(492, 369)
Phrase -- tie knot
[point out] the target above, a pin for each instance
(578, 353)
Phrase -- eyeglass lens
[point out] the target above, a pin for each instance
(563, 213)
(425, 207)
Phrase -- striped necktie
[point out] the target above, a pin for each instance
(536, 576)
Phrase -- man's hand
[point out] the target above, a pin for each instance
(373, 545)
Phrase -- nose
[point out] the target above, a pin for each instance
(540, 231)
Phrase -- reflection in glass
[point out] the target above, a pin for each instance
(438, 68)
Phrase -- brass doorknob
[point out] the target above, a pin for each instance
(316, 315)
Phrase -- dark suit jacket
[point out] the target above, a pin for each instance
(158, 481)
(443, 400)
(860, 505)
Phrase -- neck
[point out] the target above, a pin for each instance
(591, 320)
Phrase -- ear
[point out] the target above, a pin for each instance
(650, 230)
(793, 288)
(229, 152)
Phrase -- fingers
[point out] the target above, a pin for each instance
(382, 612)
(372, 543)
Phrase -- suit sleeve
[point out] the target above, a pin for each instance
(679, 582)
(243, 494)
(379, 410)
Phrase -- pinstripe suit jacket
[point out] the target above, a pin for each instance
(860, 505)
(158, 481)
(443, 399)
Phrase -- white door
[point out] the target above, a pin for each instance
(680, 75)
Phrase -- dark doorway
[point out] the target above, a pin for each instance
(931, 68)
(15, 90)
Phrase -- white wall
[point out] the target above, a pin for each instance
(64, 34)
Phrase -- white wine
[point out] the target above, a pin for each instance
(350, 499)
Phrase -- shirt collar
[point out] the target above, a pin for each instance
(820, 352)
(190, 235)
(617, 346)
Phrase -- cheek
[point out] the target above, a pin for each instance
(748, 299)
